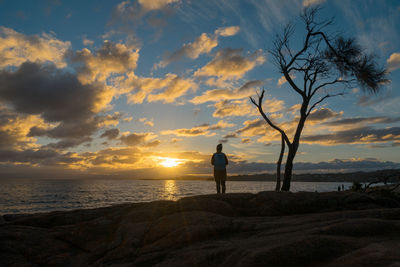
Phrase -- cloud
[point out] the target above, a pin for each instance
(114, 158)
(175, 140)
(362, 121)
(175, 89)
(202, 45)
(231, 135)
(54, 94)
(229, 64)
(203, 129)
(215, 95)
(307, 3)
(229, 108)
(147, 122)
(282, 80)
(227, 31)
(153, 143)
(129, 16)
(361, 135)
(14, 129)
(322, 114)
(41, 157)
(110, 134)
(86, 41)
(110, 58)
(253, 128)
(73, 133)
(393, 62)
(127, 119)
(135, 139)
(173, 85)
(60, 99)
(155, 4)
(245, 141)
(17, 48)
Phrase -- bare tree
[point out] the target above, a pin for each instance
(324, 65)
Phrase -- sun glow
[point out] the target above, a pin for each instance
(170, 162)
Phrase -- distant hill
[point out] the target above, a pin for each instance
(313, 177)
(325, 177)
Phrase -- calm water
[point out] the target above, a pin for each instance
(28, 196)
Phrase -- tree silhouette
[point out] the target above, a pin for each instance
(326, 64)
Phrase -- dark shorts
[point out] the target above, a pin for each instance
(220, 175)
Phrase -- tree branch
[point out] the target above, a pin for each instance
(328, 83)
(260, 109)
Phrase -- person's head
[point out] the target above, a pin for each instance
(219, 147)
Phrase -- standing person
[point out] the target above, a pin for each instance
(219, 160)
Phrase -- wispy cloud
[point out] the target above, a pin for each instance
(202, 45)
(172, 87)
(203, 129)
(215, 95)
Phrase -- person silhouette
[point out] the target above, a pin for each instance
(219, 161)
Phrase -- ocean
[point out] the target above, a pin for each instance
(32, 195)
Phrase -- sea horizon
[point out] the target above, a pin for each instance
(20, 196)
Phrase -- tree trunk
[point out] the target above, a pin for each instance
(288, 169)
(294, 146)
(278, 166)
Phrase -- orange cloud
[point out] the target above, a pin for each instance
(174, 86)
(215, 95)
(227, 31)
(203, 129)
(147, 122)
(17, 48)
(229, 64)
(110, 59)
(393, 62)
(155, 4)
(283, 80)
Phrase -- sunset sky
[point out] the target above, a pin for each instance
(148, 88)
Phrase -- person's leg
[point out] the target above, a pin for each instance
(217, 181)
(223, 179)
(218, 186)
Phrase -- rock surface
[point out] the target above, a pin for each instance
(264, 229)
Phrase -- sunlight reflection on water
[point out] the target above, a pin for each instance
(27, 196)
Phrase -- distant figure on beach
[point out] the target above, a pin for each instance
(342, 187)
(338, 188)
(219, 160)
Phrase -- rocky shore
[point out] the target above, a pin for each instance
(264, 229)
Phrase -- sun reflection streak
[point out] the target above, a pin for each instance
(170, 189)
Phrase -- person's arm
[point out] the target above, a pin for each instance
(226, 159)
(212, 160)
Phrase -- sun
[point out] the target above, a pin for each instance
(170, 162)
